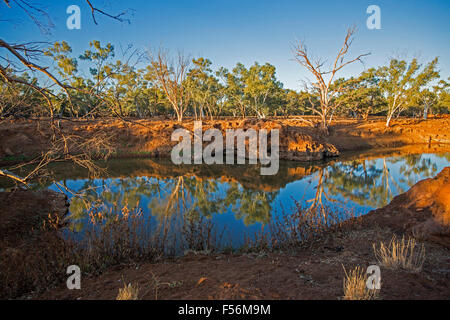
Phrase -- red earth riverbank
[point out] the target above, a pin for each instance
(312, 272)
(152, 138)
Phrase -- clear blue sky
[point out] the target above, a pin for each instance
(231, 31)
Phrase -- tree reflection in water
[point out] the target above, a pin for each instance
(371, 183)
(185, 196)
(360, 184)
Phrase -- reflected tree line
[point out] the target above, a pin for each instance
(368, 183)
(371, 182)
(189, 197)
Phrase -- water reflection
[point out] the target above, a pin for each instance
(164, 197)
(237, 197)
(374, 183)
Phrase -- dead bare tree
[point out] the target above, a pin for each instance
(62, 145)
(324, 79)
(169, 74)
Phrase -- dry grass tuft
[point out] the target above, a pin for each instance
(355, 286)
(129, 292)
(401, 254)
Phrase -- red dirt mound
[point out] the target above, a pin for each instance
(423, 211)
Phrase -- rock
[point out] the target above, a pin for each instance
(303, 147)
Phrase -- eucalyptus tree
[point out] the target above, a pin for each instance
(361, 95)
(253, 90)
(123, 88)
(27, 54)
(149, 100)
(99, 59)
(117, 83)
(443, 92)
(205, 88)
(295, 103)
(234, 90)
(66, 66)
(426, 98)
(402, 81)
(169, 75)
(260, 86)
(83, 92)
(20, 100)
(99, 85)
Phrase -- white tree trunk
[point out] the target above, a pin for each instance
(425, 112)
(388, 121)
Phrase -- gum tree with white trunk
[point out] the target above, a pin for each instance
(401, 83)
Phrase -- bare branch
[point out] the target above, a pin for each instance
(324, 88)
(117, 17)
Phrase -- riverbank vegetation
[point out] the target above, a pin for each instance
(36, 259)
(114, 101)
(111, 80)
(140, 84)
(47, 80)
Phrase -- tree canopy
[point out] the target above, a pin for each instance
(125, 82)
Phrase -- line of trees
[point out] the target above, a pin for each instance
(129, 83)
(42, 80)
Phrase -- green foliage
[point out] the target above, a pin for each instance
(128, 87)
(66, 66)
(360, 96)
(206, 91)
(442, 90)
(401, 82)
(21, 100)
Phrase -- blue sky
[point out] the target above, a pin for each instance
(246, 31)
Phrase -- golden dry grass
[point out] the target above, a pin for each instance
(401, 254)
(128, 292)
(355, 286)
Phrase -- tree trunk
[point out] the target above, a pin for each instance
(425, 112)
(388, 121)
(324, 126)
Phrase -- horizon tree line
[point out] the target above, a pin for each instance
(39, 81)
(149, 84)
(178, 86)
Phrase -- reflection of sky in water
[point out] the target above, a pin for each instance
(358, 185)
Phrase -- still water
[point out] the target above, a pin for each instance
(237, 199)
